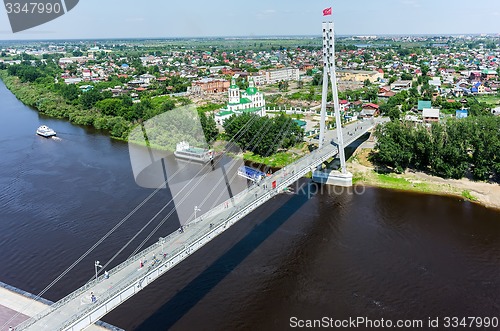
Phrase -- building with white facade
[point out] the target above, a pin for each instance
(285, 74)
(275, 76)
(240, 102)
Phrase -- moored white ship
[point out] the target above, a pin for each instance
(186, 152)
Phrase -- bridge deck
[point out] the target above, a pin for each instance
(77, 311)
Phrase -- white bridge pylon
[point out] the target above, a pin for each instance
(342, 178)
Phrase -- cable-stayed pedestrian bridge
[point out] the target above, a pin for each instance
(94, 300)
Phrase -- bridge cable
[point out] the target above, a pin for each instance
(239, 133)
(90, 250)
(191, 190)
(259, 134)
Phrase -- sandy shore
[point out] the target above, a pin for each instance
(483, 193)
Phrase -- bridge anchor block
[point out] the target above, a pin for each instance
(332, 177)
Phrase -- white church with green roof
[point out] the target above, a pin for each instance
(248, 101)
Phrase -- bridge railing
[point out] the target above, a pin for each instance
(122, 286)
(221, 207)
(135, 277)
(287, 175)
(73, 295)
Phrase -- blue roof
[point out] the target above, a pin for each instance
(461, 113)
(125, 65)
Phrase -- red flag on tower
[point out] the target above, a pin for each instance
(327, 11)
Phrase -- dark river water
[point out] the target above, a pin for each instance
(333, 253)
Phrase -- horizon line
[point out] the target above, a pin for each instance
(253, 37)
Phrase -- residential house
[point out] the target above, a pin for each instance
(385, 92)
(478, 88)
(436, 82)
(430, 115)
(424, 104)
(475, 76)
(488, 74)
(344, 104)
(370, 110)
(461, 113)
(147, 78)
(401, 85)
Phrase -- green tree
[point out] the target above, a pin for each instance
(209, 127)
(317, 79)
(406, 76)
(90, 98)
(70, 92)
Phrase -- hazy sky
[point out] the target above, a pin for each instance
(165, 18)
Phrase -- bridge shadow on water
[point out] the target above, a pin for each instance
(191, 294)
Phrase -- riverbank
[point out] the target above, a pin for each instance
(364, 173)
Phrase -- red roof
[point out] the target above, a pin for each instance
(371, 105)
(387, 94)
(344, 102)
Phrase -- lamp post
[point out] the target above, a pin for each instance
(96, 265)
(196, 209)
(162, 241)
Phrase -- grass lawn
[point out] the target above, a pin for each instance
(277, 160)
(491, 99)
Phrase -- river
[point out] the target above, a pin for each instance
(337, 253)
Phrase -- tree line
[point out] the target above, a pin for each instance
(36, 87)
(453, 149)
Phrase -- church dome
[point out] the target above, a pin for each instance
(252, 90)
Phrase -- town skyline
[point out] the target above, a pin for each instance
(117, 19)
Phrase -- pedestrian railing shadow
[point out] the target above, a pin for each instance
(191, 294)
